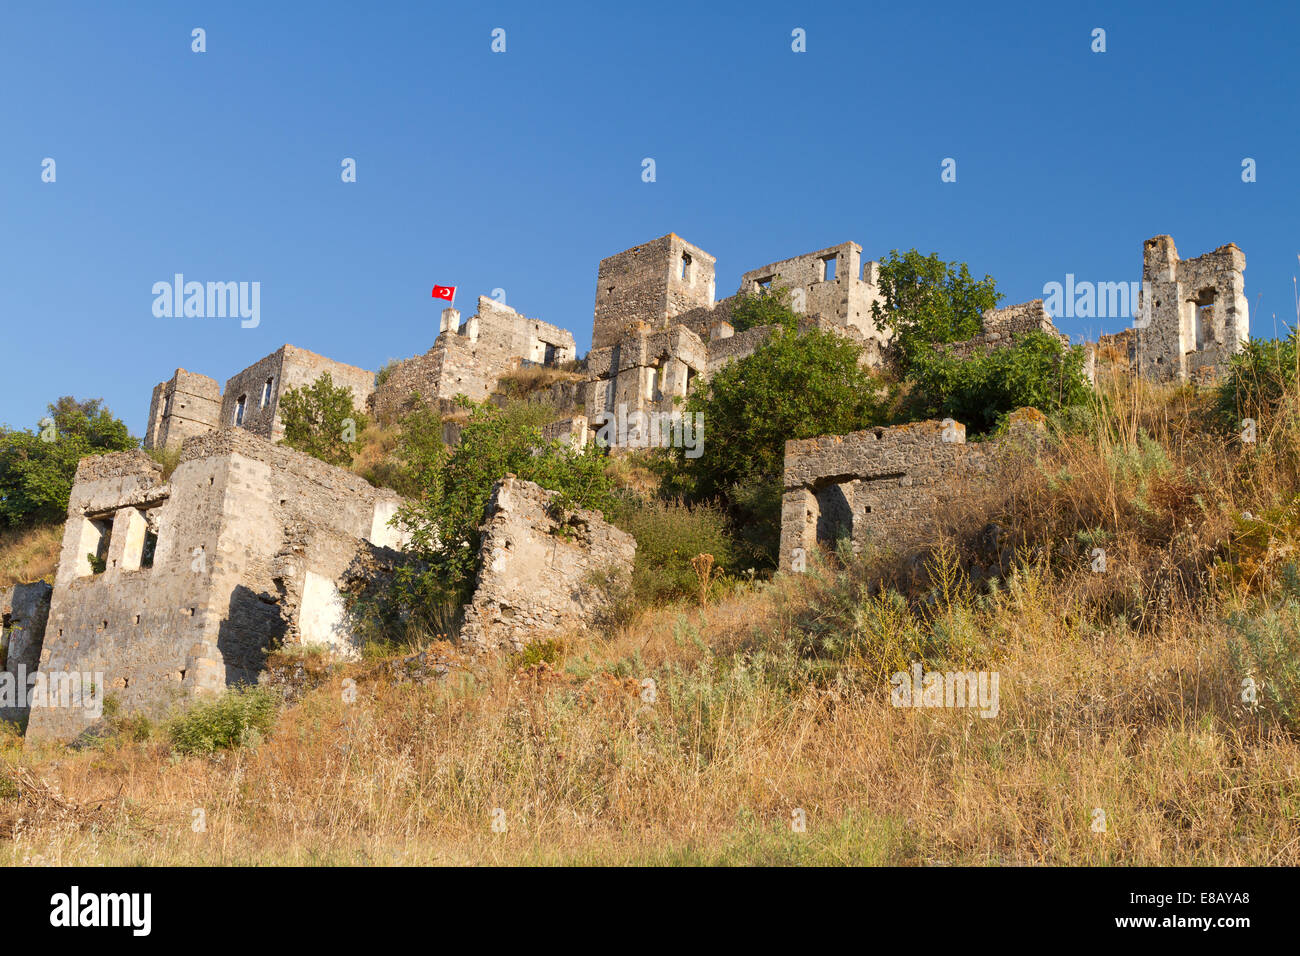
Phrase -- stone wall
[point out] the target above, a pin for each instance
(651, 283)
(262, 384)
(242, 548)
(647, 370)
(844, 299)
(882, 485)
(469, 359)
(184, 405)
(1000, 327)
(537, 576)
(24, 611)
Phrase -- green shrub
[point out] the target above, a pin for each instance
(1260, 378)
(223, 723)
(926, 301)
(668, 535)
(764, 307)
(1036, 370)
(454, 489)
(1266, 650)
(321, 420)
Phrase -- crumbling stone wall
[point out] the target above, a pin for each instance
(539, 570)
(1000, 327)
(647, 370)
(24, 611)
(184, 405)
(845, 298)
(1193, 314)
(240, 549)
(881, 485)
(469, 359)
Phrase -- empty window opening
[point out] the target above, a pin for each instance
(137, 619)
(684, 267)
(834, 513)
(549, 354)
(239, 409)
(266, 392)
(150, 546)
(1204, 318)
(96, 537)
(828, 269)
(763, 284)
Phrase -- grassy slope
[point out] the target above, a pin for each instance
(1118, 692)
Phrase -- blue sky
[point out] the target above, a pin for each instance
(520, 170)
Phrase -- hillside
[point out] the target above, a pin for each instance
(1147, 709)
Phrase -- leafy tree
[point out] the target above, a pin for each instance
(321, 420)
(792, 386)
(444, 520)
(1036, 369)
(765, 307)
(37, 467)
(928, 301)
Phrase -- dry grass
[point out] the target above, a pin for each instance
(1118, 693)
(30, 554)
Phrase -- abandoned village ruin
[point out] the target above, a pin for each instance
(178, 587)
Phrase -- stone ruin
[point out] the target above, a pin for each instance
(541, 570)
(881, 485)
(176, 587)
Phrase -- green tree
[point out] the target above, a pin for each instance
(1037, 369)
(321, 420)
(928, 301)
(444, 520)
(765, 307)
(792, 386)
(37, 466)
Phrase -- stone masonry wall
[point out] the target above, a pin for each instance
(536, 577)
(187, 404)
(249, 541)
(650, 283)
(24, 610)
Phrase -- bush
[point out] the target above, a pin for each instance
(223, 723)
(668, 535)
(1260, 378)
(765, 307)
(1266, 650)
(454, 489)
(320, 419)
(927, 301)
(37, 467)
(1036, 370)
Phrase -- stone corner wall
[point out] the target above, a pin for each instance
(537, 576)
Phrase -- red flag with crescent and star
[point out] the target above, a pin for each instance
(447, 292)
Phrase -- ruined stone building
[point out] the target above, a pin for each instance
(175, 587)
(1193, 314)
(470, 358)
(190, 404)
(877, 485)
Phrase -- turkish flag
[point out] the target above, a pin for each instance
(447, 292)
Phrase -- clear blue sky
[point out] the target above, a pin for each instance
(521, 170)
